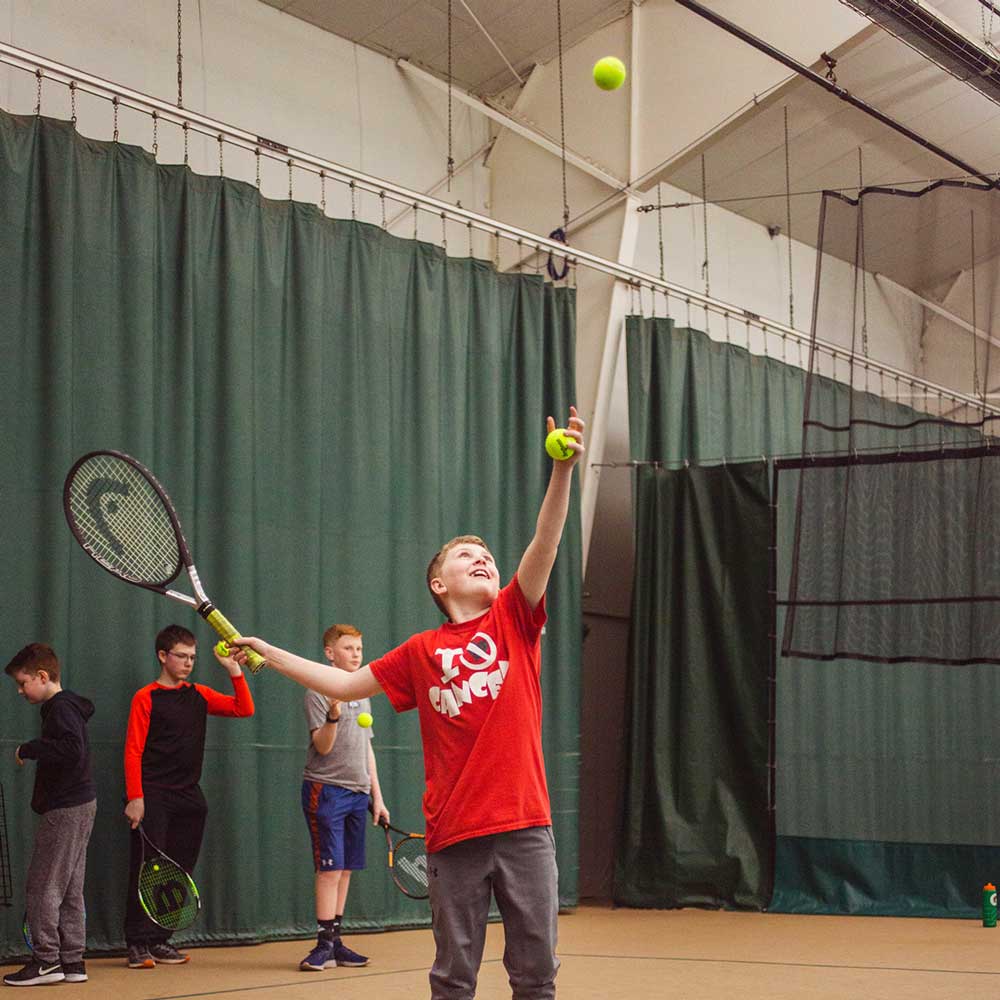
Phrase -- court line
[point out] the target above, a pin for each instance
(780, 965)
(301, 982)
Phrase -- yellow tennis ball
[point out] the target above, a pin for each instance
(557, 444)
(365, 720)
(609, 73)
(222, 647)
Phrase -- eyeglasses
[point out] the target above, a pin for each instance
(189, 657)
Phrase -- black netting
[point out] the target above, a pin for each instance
(895, 554)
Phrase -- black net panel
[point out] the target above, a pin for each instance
(895, 555)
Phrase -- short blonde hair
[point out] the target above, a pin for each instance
(334, 632)
(434, 566)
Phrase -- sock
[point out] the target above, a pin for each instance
(328, 929)
(336, 926)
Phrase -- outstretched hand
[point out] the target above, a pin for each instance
(574, 431)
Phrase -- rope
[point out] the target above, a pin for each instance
(659, 227)
(864, 272)
(451, 159)
(562, 116)
(704, 210)
(180, 56)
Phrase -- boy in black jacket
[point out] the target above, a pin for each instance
(64, 793)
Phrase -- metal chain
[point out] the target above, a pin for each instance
(788, 224)
(256, 153)
(451, 159)
(496, 250)
(416, 209)
(322, 190)
(114, 104)
(975, 350)
(156, 126)
(354, 204)
(469, 225)
(704, 210)
(72, 101)
(562, 117)
(291, 196)
(180, 56)
(38, 93)
(659, 227)
(186, 134)
(222, 169)
(381, 197)
(864, 272)
(444, 232)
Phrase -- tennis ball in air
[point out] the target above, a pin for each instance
(558, 445)
(222, 647)
(609, 73)
(365, 720)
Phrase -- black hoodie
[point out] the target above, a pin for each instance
(63, 777)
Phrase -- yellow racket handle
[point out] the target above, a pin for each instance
(224, 627)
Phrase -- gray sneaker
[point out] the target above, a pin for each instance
(166, 954)
(139, 957)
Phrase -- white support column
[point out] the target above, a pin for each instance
(597, 431)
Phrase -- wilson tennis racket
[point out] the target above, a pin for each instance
(124, 520)
(166, 892)
(407, 860)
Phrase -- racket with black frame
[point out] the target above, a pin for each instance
(124, 520)
(167, 893)
(407, 859)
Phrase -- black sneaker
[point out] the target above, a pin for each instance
(139, 957)
(166, 954)
(344, 956)
(74, 972)
(36, 973)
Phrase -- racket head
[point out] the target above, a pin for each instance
(123, 519)
(167, 894)
(26, 933)
(408, 865)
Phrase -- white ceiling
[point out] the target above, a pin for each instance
(523, 30)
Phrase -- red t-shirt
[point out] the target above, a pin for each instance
(476, 687)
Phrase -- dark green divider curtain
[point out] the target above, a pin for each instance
(696, 787)
(326, 404)
(884, 772)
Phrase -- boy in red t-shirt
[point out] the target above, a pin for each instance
(489, 826)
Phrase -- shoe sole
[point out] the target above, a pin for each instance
(75, 978)
(353, 965)
(39, 981)
(148, 964)
(172, 961)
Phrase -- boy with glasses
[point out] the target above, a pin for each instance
(164, 749)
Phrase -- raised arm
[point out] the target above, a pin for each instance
(540, 555)
(339, 684)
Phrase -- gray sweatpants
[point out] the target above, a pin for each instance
(55, 883)
(519, 868)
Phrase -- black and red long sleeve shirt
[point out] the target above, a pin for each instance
(165, 739)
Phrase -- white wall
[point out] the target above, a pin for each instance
(247, 64)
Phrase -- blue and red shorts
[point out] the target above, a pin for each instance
(337, 818)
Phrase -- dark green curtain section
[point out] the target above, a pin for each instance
(883, 771)
(696, 786)
(326, 404)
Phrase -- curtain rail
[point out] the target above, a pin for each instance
(88, 83)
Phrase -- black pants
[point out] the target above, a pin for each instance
(174, 822)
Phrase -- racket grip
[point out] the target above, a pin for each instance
(224, 627)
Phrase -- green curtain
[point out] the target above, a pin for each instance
(326, 404)
(696, 782)
(882, 771)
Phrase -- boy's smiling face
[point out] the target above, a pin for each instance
(467, 574)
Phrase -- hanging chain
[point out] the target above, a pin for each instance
(987, 29)
(444, 232)
(416, 209)
(72, 101)
(354, 204)
(659, 227)
(788, 225)
(381, 198)
(322, 190)
(156, 126)
(704, 210)
(186, 136)
(256, 153)
(180, 56)
(469, 225)
(222, 169)
(451, 159)
(38, 92)
(562, 117)
(291, 197)
(975, 346)
(496, 250)
(864, 272)
(114, 104)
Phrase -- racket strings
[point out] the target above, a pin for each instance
(409, 866)
(167, 894)
(122, 521)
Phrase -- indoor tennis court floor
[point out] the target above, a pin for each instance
(607, 954)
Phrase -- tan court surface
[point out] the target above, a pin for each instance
(680, 954)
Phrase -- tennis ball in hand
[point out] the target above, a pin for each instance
(558, 445)
(222, 648)
(609, 73)
(365, 720)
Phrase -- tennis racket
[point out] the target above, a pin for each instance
(407, 859)
(166, 892)
(124, 520)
